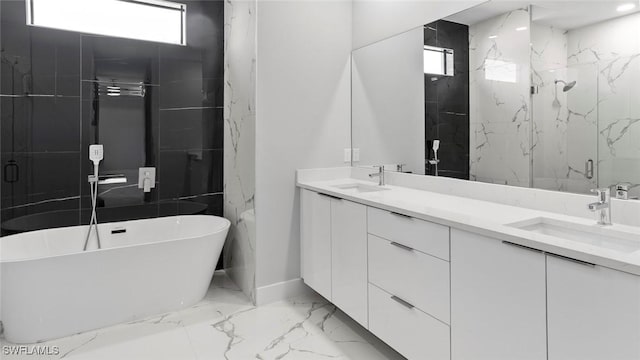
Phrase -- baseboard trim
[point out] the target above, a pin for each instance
(281, 291)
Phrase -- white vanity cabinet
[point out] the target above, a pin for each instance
(437, 293)
(349, 258)
(593, 312)
(315, 244)
(334, 251)
(498, 304)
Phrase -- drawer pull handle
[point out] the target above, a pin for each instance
(400, 215)
(522, 246)
(402, 302)
(403, 247)
(330, 196)
(585, 263)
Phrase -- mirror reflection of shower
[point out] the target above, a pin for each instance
(567, 87)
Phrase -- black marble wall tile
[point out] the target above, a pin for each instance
(198, 128)
(40, 124)
(205, 32)
(120, 59)
(431, 34)
(55, 62)
(454, 128)
(35, 177)
(39, 61)
(447, 102)
(453, 93)
(188, 173)
(16, 60)
(185, 93)
(194, 77)
(431, 88)
(183, 81)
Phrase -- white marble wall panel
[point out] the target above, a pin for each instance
(239, 142)
(548, 48)
(499, 60)
(604, 41)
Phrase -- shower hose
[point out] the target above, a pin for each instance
(93, 185)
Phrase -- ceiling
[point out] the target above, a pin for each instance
(566, 15)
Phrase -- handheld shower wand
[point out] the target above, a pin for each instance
(96, 154)
(435, 161)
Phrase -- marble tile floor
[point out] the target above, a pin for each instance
(226, 326)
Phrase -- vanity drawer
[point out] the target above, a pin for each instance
(420, 279)
(412, 333)
(421, 235)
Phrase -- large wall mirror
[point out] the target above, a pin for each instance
(534, 94)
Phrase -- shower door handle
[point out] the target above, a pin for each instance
(588, 169)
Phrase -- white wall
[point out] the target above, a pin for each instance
(388, 102)
(303, 118)
(375, 20)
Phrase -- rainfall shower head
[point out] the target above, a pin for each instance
(567, 86)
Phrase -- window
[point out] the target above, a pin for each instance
(151, 20)
(438, 61)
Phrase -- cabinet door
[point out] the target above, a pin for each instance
(315, 229)
(593, 312)
(349, 258)
(498, 299)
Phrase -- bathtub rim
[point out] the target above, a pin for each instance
(226, 222)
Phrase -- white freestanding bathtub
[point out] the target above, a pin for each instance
(50, 288)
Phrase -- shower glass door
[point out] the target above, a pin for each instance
(565, 128)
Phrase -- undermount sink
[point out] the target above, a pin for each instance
(595, 235)
(358, 187)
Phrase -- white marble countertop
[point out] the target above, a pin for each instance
(484, 218)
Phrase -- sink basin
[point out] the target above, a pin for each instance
(595, 235)
(358, 187)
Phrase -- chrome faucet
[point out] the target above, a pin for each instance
(603, 205)
(379, 174)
